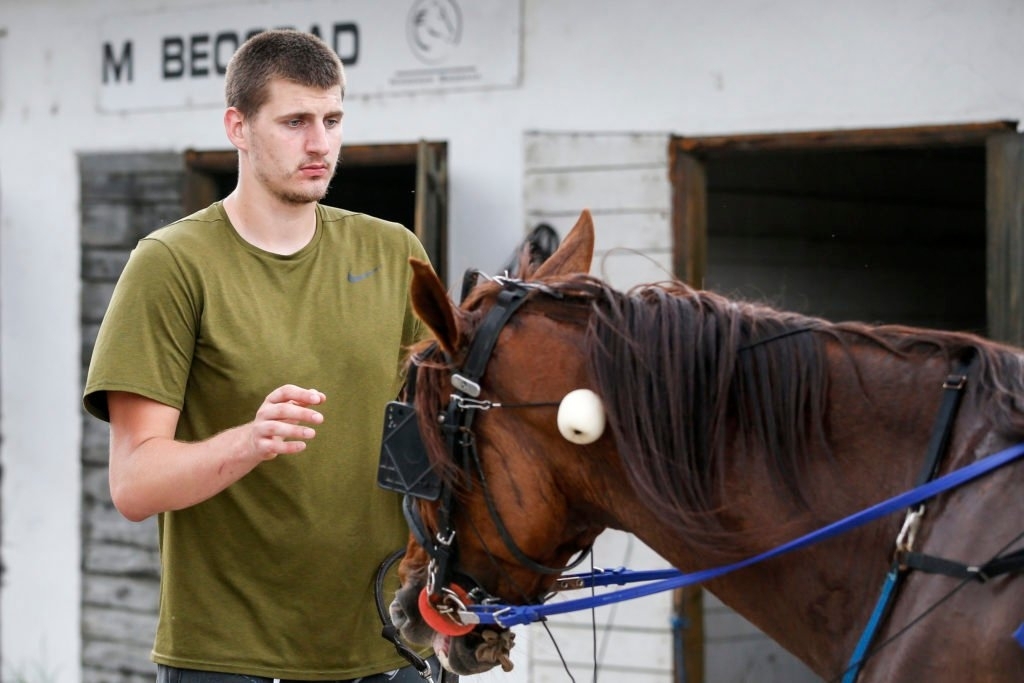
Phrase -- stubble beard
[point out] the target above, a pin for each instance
(297, 198)
(279, 186)
(308, 194)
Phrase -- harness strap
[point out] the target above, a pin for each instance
(509, 300)
(944, 421)
(415, 522)
(937, 446)
(878, 615)
(510, 542)
(1007, 564)
(441, 549)
(456, 423)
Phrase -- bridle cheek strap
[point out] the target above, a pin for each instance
(456, 424)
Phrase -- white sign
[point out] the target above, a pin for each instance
(176, 59)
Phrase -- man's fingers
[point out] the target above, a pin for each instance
(290, 392)
(276, 429)
(278, 406)
(281, 424)
(273, 438)
(291, 412)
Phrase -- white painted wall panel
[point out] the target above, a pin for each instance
(630, 202)
(547, 151)
(633, 638)
(623, 269)
(642, 231)
(620, 190)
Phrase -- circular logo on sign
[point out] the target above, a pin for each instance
(434, 29)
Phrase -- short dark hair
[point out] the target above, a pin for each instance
(296, 56)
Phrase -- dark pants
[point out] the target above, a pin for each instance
(172, 674)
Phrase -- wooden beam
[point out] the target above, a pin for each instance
(688, 606)
(911, 136)
(1005, 230)
(689, 217)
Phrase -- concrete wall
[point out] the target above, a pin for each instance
(684, 67)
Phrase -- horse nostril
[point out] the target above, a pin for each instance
(398, 615)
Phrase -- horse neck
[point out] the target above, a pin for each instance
(880, 416)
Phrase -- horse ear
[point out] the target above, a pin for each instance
(575, 253)
(432, 305)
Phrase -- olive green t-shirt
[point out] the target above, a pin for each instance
(274, 575)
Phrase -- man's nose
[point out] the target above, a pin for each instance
(317, 141)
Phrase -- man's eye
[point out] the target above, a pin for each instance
(295, 123)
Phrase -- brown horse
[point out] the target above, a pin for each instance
(732, 427)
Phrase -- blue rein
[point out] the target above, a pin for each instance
(506, 616)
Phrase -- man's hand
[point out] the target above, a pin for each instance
(280, 424)
(151, 472)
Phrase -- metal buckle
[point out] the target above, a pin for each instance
(908, 534)
(466, 617)
(568, 583)
(465, 385)
(955, 382)
(451, 604)
(464, 403)
(498, 614)
(446, 540)
(431, 576)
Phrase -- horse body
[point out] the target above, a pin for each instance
(760, 450)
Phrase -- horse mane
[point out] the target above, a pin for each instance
(691, 378)
(740, 378)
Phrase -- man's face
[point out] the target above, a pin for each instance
(294, 141)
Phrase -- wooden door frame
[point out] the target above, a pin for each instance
(1004, 197)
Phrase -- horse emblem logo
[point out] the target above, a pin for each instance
(434, 29)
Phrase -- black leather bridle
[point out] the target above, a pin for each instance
(405, 466)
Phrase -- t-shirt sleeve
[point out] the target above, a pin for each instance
(146, 341)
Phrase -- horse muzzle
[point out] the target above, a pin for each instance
(462, 649)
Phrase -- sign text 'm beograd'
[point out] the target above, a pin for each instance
(176, 58)
(199, 55)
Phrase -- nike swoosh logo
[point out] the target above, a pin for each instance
(361, 276)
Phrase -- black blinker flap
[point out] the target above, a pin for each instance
(404, 466)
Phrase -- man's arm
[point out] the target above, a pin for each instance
(150, 472)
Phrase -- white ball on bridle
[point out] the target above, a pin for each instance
(581, 416)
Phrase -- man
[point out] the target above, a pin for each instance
(226, 335)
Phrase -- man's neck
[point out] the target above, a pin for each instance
(269, 223)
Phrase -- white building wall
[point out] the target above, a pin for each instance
(623, 180)
(688, 67)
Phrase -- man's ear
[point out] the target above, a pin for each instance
(234, 127)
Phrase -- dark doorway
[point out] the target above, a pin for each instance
(883, 226)
(386, 191)
(884, 235)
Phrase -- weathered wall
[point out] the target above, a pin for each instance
(124, 197)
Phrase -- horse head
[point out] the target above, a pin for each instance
(506, 469)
